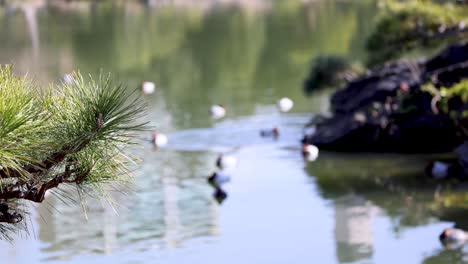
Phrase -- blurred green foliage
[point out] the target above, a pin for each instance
(330, 71)
(405, 27)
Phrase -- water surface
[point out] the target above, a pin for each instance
(344, 208)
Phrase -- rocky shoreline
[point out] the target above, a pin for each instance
(388, 110)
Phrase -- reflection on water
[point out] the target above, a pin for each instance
(449, 256)
(219, 194)
(160, 211)
(353, 228)
(392, 186)
(344, 208)
(228, 55)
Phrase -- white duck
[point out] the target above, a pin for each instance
(224, 162)
(453, 237)
(310, 152)
(217, 111)
(438, 170)
(68, 78)
(285, 104)
(219, 178)
(159, 139)
(148, 87)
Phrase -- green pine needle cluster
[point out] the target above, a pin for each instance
(23, 120)
(76, 133)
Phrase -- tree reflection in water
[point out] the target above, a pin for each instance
(363, 184)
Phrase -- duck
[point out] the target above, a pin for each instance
(453, 237)
(442, 170)
(68, 78)
(224, 162)
(148, 87)
(217, 111)
(310, 152)
(285, 104)
(159, 139)
(437, 169)
(270, 132)
(218, 179)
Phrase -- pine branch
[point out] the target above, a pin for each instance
(75, 134)
(11, 218)
(36, 192)
(49, 162)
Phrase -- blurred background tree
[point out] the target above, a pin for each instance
(414, 28)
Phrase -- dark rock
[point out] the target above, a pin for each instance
(451, 56)
(449, 66)
(450, 76)
(380, 83)
(412, 134)
(386, 110)
(462, 155)
(423, 134)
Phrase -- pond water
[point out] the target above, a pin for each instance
(343, 208)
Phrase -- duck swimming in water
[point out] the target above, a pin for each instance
(437, 169)
(310, 152)
(159, 139)
(218, 179)
(217, 111)
(148, 87)
(285, 104)
(68, 78)
(224, 162)
(270, 132)
(443, 170)
(453, 237)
